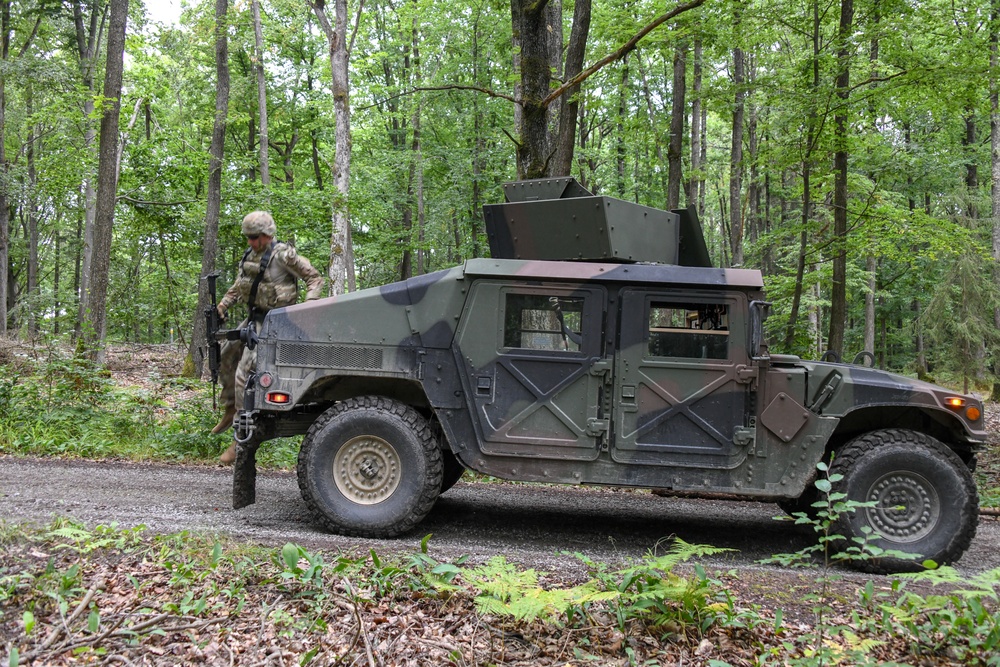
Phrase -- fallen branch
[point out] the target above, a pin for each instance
(54, 635)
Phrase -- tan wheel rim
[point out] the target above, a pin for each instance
(907, 507)
(366, 469)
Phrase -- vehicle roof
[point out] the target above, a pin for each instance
(659, 274)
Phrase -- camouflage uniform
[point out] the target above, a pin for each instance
(276, 289)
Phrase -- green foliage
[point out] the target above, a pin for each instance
(833, 640)
(60, 405)
(648, 591)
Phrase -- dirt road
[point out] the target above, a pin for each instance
(527, 523)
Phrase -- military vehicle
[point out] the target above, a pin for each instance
(596, 346)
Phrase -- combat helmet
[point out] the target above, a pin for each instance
(259, 222)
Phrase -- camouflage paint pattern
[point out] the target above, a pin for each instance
(603, 410)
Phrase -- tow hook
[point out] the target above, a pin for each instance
(244, 425)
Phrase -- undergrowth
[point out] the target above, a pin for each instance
(59, 405)
(67, 590)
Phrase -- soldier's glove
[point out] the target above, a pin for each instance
(222, 312)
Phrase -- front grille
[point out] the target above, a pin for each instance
(328, 356)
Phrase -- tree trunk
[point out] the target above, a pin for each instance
(88, 41)
(695, 180)
(32, 210)
(811, 121)
(533, 153)
(676, 145)
(752, 216)
(620, 134)
(213, 203)
(258, 33)
(736, 154)
(107, 185)
(532, 41)
(971, 167)
(994, 85)
(418, 161)
(478, 149)
(838, 291)
(341, 271)
(4, 169)
(652, 115)
(569, 110)
(871, 267)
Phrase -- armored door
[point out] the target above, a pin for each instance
(682, 380)
(533, 361)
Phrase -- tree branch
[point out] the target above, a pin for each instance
(140, 202)
(31, 38)
(354, 33)
(620, 53)
(486, 91)
(319, 8)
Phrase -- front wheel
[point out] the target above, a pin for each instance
(370, 467)
(924, 498)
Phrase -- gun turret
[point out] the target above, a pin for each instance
(558, 219)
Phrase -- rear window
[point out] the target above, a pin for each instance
(688, 330)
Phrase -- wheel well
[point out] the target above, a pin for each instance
(935, 423)
(335, 388)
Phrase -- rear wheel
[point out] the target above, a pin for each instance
(371, 467)
(925, 500)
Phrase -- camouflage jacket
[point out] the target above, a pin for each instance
(278, 287)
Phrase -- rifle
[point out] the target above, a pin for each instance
(212, 324)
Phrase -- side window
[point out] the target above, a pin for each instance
(688, 330)
(540, 322)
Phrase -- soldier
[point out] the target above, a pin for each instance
(266, 280)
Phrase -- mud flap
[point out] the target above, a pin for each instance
(245, 473)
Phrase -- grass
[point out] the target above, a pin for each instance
(63, 406)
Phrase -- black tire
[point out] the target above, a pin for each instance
(370, 467)
(453, 470)
(927, 504)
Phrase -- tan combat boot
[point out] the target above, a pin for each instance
(229, 455)
(226, 421)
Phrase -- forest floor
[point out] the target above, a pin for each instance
(109, 596)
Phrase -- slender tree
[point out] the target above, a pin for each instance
(341, 271)
(994, 86)
(4, 167)
(676, 145)
(736, 149)
(258, 32)
(95, 325)
(89, 30)
(838, 293)
(213, 205)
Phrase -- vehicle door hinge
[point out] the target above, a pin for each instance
(744, 435)
(420, 363)
(601, 368)
(597, 427)
(746, 374)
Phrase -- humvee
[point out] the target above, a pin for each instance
(597, 346)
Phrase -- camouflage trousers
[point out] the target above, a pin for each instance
(236, 362)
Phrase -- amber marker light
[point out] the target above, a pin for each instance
(973, 413)
(954, 402)
(278, 397)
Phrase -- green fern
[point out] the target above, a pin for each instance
(646, 590)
